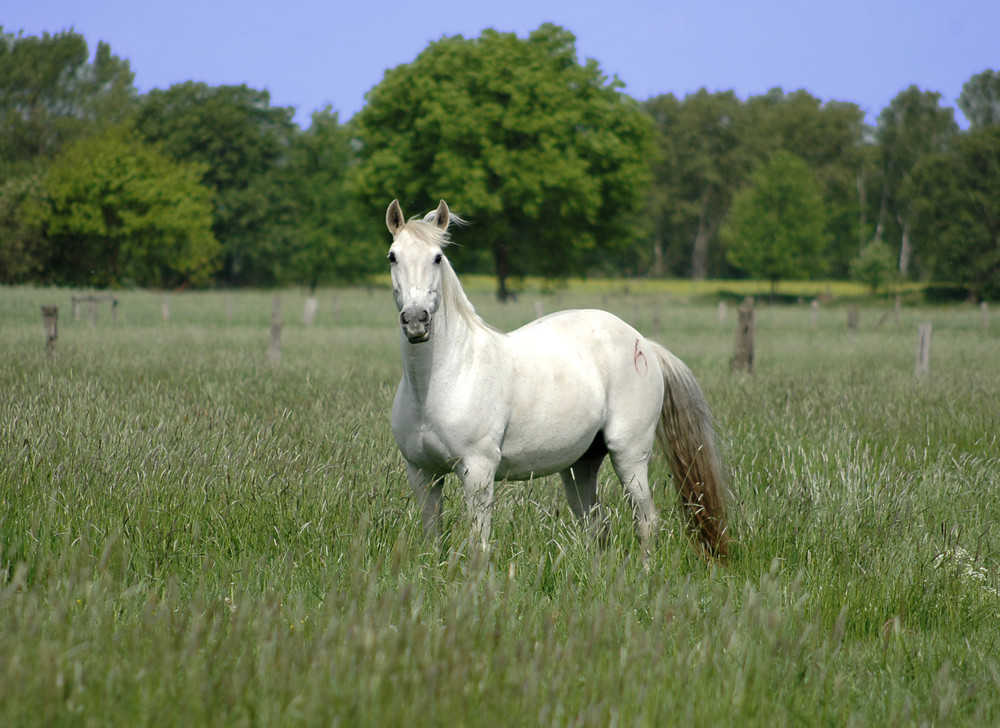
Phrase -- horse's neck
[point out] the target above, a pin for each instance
(454, 343)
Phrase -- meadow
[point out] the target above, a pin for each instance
(194, 534)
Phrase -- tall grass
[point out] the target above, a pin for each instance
(191, 535)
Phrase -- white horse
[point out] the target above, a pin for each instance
(554, 396)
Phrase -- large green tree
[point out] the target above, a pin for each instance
(776, 228)
(913, 125)
(51, 93)
(701, 160)
(956, 202)
(831, 138)
(328, 240)
(980, 99)
(545, 155)
(118, 211)
(244, 143)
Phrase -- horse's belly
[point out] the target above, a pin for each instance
(542, 445)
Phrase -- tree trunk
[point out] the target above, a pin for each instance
(502, 263)
(905, 248)
(659, 267)
(880, 225)
(699, 253)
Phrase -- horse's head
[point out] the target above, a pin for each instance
(415, 261)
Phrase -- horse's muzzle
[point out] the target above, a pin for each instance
(416, 323)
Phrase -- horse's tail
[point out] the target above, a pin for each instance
(686, 434)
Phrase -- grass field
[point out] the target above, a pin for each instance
(191, 534)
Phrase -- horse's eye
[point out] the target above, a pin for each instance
(392, 258)
(437, 259)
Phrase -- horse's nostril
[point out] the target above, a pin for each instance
(424, 316)
(402, 318)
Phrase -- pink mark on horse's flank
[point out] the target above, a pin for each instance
(639, 360)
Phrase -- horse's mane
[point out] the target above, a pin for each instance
(426, 230)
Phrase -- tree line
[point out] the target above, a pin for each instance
(559, 171)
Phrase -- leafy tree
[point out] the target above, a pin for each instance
(777, 226)
(23, 246)
(543, 154)
(120, 212)
(243, 142)
(874, 266)
(912, 126)
(51, 94)
(831, 139)
(327, 243)
(956, 201)
(701, 161)
(980, 99)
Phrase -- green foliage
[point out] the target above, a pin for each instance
(23, 246)
(874, 266)
(777, 225)
(911, 127)
(956, 198)
(327, 241)
(543, 154)
(191, 536)
(242, 142)
(701, 162)
(120, 212)
(51, 94)
(980, 99)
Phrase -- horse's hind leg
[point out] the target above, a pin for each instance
(633, 472)
(580, 482)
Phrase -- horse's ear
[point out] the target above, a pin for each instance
(441, 215)
(394, 219)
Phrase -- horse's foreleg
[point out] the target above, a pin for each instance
(427, 489)
(477, 482)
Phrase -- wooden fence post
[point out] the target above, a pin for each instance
(852, 319)
(743, 356)
(923, 365)
(76, 307)
(984, 313)
(309, 311)
(165, 308)
(722, 313)
(814, 313)
(274, 348)
(50, 318)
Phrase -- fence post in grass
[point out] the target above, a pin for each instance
(743, 356)
(814, 313)
(92, 311)
(229, 310)
(309, 312)
(165, 308)
(722, 313)
(852, 319)
(50, 317)
(984, 313)
(539, 309)
(274, 348)
(923, 365)
(114, 310)
(76, 307)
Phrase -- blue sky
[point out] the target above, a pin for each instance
(308, 53)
